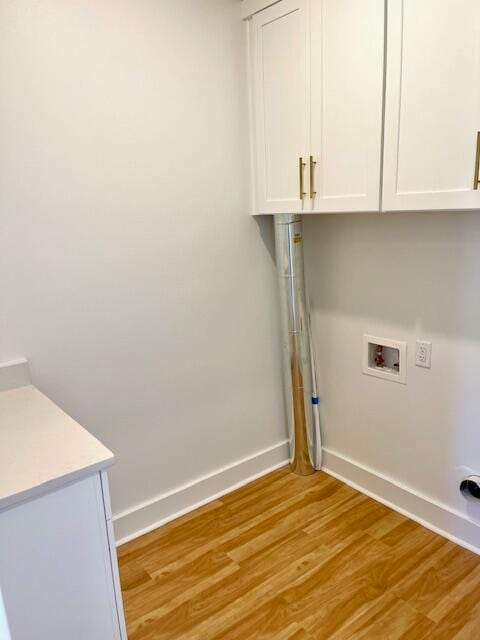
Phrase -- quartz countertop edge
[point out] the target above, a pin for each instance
(41, 447)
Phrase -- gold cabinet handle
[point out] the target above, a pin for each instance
(476, 180)
(301, 165)
(313, 193)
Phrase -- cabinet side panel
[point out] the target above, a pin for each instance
(106, 507)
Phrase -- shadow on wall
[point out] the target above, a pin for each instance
(267, 233)
(421, 268)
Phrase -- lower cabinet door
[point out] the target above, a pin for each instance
(56, 578)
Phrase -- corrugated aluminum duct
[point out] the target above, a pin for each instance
(299, 375)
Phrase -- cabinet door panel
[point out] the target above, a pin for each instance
(347, 56)
(432, 104)
(55, 573)
(281, 98)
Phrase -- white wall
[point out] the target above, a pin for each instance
(406, 277)
(132, 277)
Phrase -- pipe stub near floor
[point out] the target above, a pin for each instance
(470, 487)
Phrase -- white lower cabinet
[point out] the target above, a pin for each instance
(58, 571)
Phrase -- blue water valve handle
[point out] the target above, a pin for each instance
(315, 400)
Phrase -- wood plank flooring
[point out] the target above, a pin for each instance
(291, 558)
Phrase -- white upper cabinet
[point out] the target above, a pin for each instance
(432, 110)
(281, 75)
(317, 69)
(347, 54)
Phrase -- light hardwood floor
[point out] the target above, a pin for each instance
(291, 558)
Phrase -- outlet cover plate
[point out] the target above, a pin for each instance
(394, 376)
(423, 354)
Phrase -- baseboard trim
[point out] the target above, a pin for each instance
(431, 514)
(149, 515)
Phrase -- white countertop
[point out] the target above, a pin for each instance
(41, 447)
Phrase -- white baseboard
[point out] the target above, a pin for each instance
(151, 514)
(433, 515)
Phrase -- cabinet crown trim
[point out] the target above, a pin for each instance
(250, 7)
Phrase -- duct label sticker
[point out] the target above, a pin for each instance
(297, 238)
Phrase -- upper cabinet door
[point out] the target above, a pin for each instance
(432, 112)
(281, 63)
(347, 69)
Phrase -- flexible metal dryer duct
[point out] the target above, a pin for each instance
(301, 401)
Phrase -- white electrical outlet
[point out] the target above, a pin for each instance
(423, 354)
